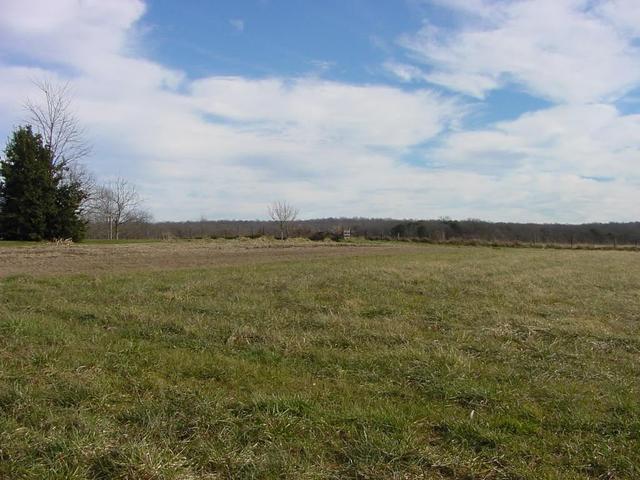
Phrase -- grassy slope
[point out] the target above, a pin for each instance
(456, 363)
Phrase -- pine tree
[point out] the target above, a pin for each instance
(27, 193)
(65, 222)
(35, 203)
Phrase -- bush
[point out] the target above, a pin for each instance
(319, 236)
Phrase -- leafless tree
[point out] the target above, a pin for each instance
(80, 175)
(53, 118)
(117, 204)
(283, 214)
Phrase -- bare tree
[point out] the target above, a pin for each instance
(117, 204)
(53, 118)
(283, 214)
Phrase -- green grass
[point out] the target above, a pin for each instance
(15, 243)
(471, 363)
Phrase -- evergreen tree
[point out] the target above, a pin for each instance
(27, 193)
(35, 203)
(65, 222)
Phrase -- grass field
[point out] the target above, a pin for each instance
(385, 362)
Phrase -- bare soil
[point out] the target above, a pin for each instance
(51, 259)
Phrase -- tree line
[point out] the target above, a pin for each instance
(435, 230)
(535, 233)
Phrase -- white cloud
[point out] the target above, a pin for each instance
(405, 71)
(68, 32)
(622, 14)
(237, 24)
(562, 50)
(327, 112)
(583, 140)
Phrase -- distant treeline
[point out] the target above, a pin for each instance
(385, 228)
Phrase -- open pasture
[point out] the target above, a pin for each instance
(262, 359)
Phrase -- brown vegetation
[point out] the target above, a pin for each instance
(43, 259)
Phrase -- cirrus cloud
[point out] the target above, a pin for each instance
(563, 50)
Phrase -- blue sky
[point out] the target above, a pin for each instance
(275, 38)
(520, 110)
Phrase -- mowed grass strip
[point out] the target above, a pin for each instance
(470, 363)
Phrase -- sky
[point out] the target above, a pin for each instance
(503, 110)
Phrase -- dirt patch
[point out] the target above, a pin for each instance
(72, 259)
